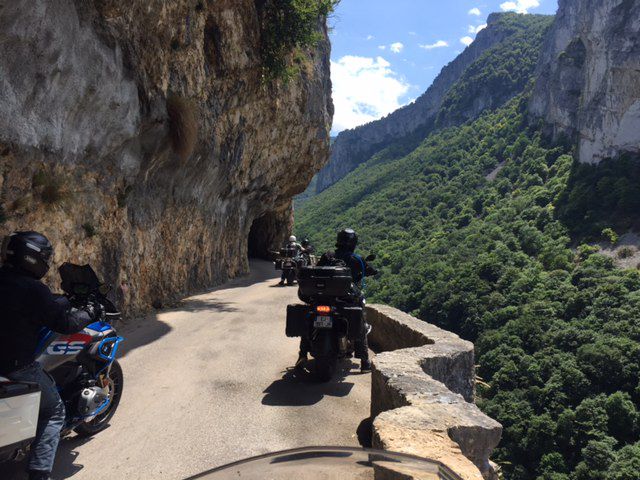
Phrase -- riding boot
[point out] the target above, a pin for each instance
(302, 359)
(302, 354)
(365, 365)
(39, 475)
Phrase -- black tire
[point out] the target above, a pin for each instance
(102, 421)
(326, 367)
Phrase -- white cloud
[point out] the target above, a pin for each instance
(382, 47)
(477, 29)
(364, 89)
(396, 47)
(438, 44)
(412, 33)
(466, 41)
(370, 37)
(475, 11)
(520, 6)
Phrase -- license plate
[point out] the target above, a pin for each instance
(323, 322)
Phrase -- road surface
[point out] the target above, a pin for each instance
(210, 383)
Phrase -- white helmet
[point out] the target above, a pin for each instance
(292, 238)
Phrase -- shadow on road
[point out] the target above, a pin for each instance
(143, 332)
(277, 285)
(13, 470)
(66, 460)
(199, 304)
(65, 466)
(365, 433)
(300, 388)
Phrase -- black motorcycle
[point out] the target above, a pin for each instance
(290, 260)
(332, 318)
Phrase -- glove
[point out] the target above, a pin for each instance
(91, 311)
(94, 310)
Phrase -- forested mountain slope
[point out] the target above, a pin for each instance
(415, 121)
(505, 263)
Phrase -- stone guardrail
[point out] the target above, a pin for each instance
(422, 395)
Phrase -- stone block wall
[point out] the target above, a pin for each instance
(422, 395)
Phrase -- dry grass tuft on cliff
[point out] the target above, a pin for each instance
(183, 125)
(51, 188)
(90, 229)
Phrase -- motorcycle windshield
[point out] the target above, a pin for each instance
(332, 463)
(78, 279)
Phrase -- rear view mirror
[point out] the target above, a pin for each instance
(370, 258)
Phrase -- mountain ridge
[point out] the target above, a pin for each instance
(354, 146)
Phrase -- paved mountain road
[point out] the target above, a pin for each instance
(209, 383)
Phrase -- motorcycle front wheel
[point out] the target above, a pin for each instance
(101, 421)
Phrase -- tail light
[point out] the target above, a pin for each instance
(323, 309)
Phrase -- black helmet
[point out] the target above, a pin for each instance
(30, 252)
(305, 242)
(347, 239)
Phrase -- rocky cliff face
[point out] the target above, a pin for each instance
(352, 147)
(588, 86)
(141, 137)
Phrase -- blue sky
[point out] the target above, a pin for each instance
(386, 53)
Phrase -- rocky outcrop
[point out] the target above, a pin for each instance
(588, 87)
(143, 139)
(353, 147)
(422, 395)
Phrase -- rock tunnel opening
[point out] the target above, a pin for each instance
(267, 233)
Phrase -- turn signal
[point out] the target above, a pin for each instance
(323, 309)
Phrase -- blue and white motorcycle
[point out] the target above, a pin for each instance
(83, 365)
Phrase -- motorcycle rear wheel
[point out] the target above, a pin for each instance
(326, 367)
(102, 421)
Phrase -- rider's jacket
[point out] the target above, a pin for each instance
(27, 306)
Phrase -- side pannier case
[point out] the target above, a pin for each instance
(298, 320)
(355, 317)
(335, 282)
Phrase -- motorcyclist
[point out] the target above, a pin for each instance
(307, 250)
(346, 243)
(306, 245)
(292, 249)
(28, 306)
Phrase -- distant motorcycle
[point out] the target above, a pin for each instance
(83, 365)
(332, 317)
(290, 261)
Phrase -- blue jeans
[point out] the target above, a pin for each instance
(50, 419)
